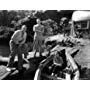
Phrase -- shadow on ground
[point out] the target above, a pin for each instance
(28, 73)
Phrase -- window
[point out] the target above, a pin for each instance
(82, 25)
(85, 24)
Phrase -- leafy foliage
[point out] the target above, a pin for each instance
(11, 20)
(50, 27)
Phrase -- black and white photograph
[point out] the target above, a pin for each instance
(44, 44)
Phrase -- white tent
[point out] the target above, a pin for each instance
(81, 15)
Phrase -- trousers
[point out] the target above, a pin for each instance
(38, 45)
(18, 50)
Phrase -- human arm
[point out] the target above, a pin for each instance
(15, 36)
(34, 28)
(24, 39)
(41, 66)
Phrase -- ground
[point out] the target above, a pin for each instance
(28, 74)
(82, 57)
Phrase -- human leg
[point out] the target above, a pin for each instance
(13, 49)
(11, 59)
(35, 47)
(40, 47)
(25, 50)
(20, 59)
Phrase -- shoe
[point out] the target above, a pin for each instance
(10, 69)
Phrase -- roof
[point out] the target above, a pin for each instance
(81, 15)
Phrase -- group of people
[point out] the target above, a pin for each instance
(58, 66)
(18, 45)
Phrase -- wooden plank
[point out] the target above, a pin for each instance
(3, 72)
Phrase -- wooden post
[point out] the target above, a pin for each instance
(73, 65)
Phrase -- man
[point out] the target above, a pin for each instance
(17, 46)
(63, 24)
(64, 61)
(38, 37)
(63, 65)
(57, 68)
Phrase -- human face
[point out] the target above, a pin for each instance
(24, 28)
(38, 21)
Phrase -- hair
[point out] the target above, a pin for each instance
(23, 26)
(37, 20)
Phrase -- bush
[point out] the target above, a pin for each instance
(5, 34)
(50, 25)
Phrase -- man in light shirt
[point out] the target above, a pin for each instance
(17, 45)
(38, 37)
